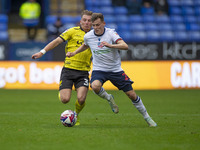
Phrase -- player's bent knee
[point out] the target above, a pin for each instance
(96, 88)
(131, 94)
(64, 100)
(81, 99)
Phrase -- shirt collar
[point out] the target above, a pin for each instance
(100, 34)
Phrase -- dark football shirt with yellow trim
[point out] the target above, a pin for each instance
(75, 38)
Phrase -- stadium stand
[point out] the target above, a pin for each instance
(167, 36)
(110, 19)
(194, 35)
(4, 27)
(153, 36)
(181, 36)
(181, 24)
(151, 27)
(135, 18)
(137, 26)
(164, 27)
(149, 10)
(138, 36)
(108, 10)
(120, 10)
(178, 26)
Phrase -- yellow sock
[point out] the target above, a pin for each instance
(79, 107)
(59, 96)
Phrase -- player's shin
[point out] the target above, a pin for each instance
(140, 107)
(103, 94)
(79, 107)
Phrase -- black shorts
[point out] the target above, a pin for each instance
(70, 77)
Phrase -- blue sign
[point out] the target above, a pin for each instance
(24, 51)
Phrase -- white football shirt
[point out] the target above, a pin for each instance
(104, 58)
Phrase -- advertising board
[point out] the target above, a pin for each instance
(147, 75)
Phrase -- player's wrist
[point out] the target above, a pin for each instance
(43, 51)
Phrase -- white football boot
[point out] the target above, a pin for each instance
(113, 106)
(150, 122)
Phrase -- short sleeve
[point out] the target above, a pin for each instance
(66, 35)
(115, 36)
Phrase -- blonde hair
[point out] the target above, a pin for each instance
(86, 12)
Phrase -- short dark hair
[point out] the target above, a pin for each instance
(86, 12)
(96, 16)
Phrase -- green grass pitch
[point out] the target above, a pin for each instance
(29, 120)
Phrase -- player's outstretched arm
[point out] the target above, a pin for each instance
(82, 48)
(47, 48)
(119, 45)
(38, 55)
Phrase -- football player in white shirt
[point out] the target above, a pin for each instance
(104, 44)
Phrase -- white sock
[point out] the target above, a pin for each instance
(103, 94)
(140, 107)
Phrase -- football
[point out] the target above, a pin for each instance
(68, 118)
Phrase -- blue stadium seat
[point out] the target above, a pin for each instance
(137, 27)
(120, 10)
(147, 11)
(173, 2)
(187, 3)
(126, 36)
(139, 36)
(3, 18)
(153, 36)
(106, 2)
(187, 10)
(196, 2)
(173, 10)
(135, 18)
(88, 3)
(190, 19)
(162, 18)
(197, 10)
(164, 27)
(176, 19)
(198, 19)
(77, 19)
(192, 27)
(122, 19)
(151, 26)
(70, 19)
(95, 3)
(50, 19)
(167, 36)
(4, 36)
(94, 9)
(194, 35)
(179, 26)
(107, 10)
(3, 26)
(123, 27)
(109, 19)
(112, 26)
(181, 36)
(148, 18)
(70, 25)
